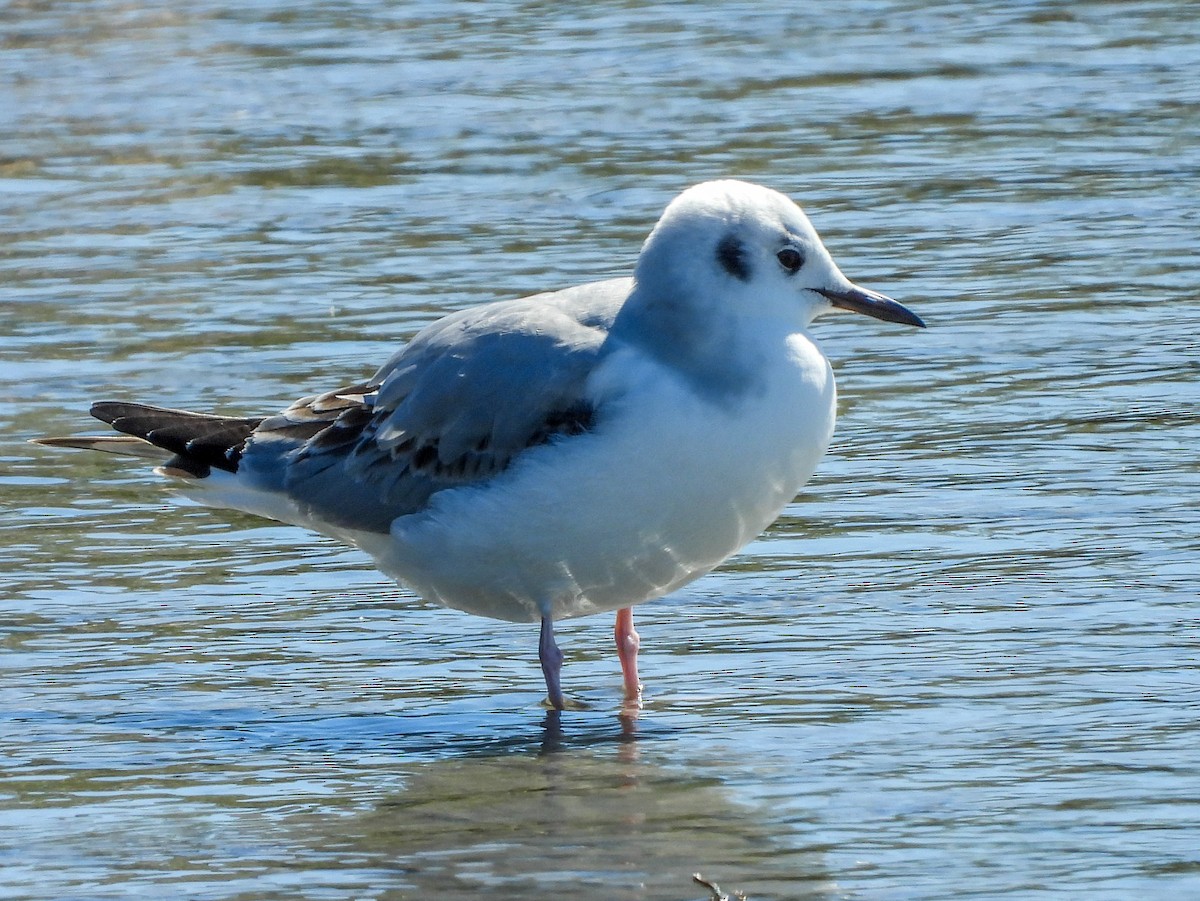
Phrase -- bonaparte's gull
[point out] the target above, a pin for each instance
(563, 454)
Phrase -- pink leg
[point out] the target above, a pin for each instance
(628, 642)
(551, 658)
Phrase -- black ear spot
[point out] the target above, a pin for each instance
(732, 257)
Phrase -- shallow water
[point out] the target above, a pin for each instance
(962, 665)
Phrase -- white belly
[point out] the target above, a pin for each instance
(668, 486)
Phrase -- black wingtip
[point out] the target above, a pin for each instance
(111, 410)
(201, 440)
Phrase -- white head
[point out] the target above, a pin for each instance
(745, 240)
(725, 258)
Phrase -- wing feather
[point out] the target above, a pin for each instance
(457, 405)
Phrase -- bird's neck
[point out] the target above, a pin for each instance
(719, 352)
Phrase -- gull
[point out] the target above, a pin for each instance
(569, 453)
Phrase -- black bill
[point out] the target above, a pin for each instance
(872, 303)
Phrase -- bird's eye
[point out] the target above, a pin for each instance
(790, 259)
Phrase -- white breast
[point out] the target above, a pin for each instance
(668, 486)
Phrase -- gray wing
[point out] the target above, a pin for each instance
(456, 405)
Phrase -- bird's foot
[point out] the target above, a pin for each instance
(631, 704)
(566, 703)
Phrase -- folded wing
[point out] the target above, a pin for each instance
(456, 405)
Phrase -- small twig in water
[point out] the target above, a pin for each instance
(716, 889)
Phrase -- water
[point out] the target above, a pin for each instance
(962, 665)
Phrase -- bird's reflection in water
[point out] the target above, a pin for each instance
(552, 731)
(601, 814)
